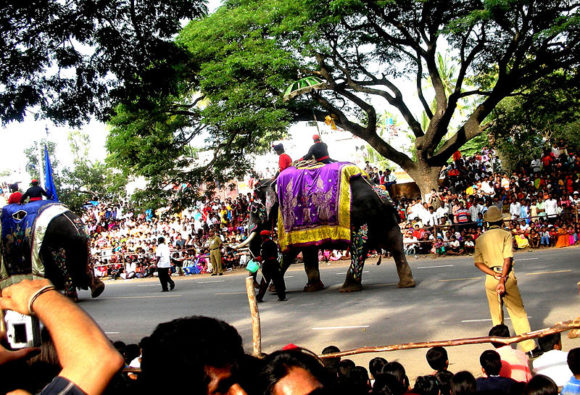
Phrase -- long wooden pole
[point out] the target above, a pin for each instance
(557, 328)
(256, 329)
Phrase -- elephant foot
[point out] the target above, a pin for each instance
(97, 287)
(313, 287)
(406, 284)
(350, 286)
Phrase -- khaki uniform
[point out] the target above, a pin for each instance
(215, 255)
(492, 248)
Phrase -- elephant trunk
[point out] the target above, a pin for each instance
(245, 242)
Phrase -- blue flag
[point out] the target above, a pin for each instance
(49, 185)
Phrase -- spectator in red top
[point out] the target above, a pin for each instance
(15, 196)
(547, 160)
(284, 160)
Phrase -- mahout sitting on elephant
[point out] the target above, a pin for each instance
(335, 210)
(46, 239)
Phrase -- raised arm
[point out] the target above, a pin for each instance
(87, 357)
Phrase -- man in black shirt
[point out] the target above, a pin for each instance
(270, 268)
(35, 192)
(318, 151)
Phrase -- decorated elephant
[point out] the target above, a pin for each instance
(328, 207)
(46, 239)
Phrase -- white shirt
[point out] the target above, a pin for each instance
(554, 365)
(163, 253)
(551, 207)
(515, 209)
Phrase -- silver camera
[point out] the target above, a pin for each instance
(21, 330)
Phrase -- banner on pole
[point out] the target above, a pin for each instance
(49, 184)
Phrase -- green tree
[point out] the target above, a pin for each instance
(75, 58)
(90, 181)
(244, 56)
(361, 47)
(32, 154)
(228, 105)
(547, 112)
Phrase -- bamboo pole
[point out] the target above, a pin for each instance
(557, 328)
(500, 304)
(256, 330)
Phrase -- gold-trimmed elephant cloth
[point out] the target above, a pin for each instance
(315, 205)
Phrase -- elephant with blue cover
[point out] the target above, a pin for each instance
(46, 239)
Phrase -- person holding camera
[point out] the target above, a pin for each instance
(87, 357)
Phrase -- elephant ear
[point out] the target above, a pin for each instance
(271, 200)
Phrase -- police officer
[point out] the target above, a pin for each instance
(494, 256)
(215, 254)
(270, 268)
(318, 151)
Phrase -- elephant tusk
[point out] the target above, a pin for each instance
(245, 242)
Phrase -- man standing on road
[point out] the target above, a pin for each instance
(215, 255)
(163, 265)
(270, 268)
(494, 256)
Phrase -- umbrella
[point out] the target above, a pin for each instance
(303, 85)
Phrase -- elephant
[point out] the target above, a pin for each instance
(46, 239)
(374, 225)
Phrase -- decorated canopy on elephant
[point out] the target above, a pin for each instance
(315, 205)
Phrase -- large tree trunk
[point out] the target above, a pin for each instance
(426, 176)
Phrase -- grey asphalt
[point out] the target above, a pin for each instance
(448, 302)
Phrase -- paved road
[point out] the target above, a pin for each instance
(448, 302)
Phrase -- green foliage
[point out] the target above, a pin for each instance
(33, 155)
(90, 181)
(547, 112)
(59, 56)
(241, 59)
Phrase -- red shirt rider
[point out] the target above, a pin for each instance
(284, 160)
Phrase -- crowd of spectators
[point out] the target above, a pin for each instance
(203, 355)
(539, 201)
(123, 242)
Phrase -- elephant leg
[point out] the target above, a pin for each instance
(406, 279)
(59, 259)
(310, 255)
(288, 258)
(358, 254)
(97, 286)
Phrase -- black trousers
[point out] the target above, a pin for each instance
(271, 272)
(164, 278)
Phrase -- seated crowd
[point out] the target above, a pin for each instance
(202, 355)
(539, 201)
(123, 243)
